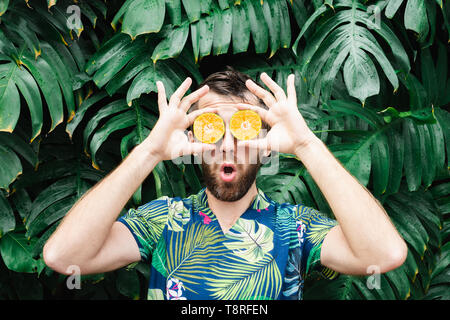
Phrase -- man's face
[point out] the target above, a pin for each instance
(229, 170)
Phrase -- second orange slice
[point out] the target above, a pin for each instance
(209, 127)
(245, 124)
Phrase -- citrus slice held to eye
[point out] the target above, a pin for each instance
(209, 127)
(245, 124)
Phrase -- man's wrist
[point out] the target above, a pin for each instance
(307, 147)
(146, 155)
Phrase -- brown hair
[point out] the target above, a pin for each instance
(231, 82)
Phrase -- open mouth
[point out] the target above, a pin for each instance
(228, 172)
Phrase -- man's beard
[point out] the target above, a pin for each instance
(229, 191)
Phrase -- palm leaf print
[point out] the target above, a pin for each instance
(318, 228)
(317, 225)
(239, 279)
(190, 253)
(249, 239)
(159, 257)
(260, 201)
(178, 216)
(284, 221)
(293, 278)
(155, 294)
(147, 223)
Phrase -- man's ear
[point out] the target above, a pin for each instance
(191, 136)
(191, 139)
(265, 155)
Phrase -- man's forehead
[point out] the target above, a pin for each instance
(212, 99)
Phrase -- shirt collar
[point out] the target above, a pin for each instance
(260, 202)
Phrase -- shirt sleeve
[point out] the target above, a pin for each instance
(146, 224)
(312, 227)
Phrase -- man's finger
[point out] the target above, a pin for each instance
(196, 113)
(273, 86)
(261, 93)
(180, 92)
(259, 110)
(187, 101)
(162, 99)
(292, 95)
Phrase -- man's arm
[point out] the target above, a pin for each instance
(365, 236)
(89, 236)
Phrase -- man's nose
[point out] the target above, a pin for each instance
(228, 142)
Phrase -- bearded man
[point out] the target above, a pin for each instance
(230, 240)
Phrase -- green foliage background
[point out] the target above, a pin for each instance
(372, 79)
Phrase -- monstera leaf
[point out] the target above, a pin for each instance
(345, 39)
(419, 16)
(42, 71)
(12, 149)
(178, 216)
(249, 239)
(214, 25)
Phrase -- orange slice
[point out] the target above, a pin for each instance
(245, 124)
(209, 127)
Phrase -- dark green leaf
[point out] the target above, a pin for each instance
(241, 29)
(143, 16)
(24, 149)
(174, 11)
(9, 103)
(193, 9)
(413, 155)
(128, 283)
(416, 17)
(172, 45)
(10, 168)
(86, 104)
(380, 164)
(56, 191)
(258, 25)
(7, 219)
(16, 252)
(272, 16)
(47, 79)
(223, 26)
(122, 121)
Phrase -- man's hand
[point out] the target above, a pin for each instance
(289, 130)
(365, 236)
(89, 235)
(168, 140)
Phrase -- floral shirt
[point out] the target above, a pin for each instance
(265, 255)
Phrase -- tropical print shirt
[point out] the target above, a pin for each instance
(265, 255)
